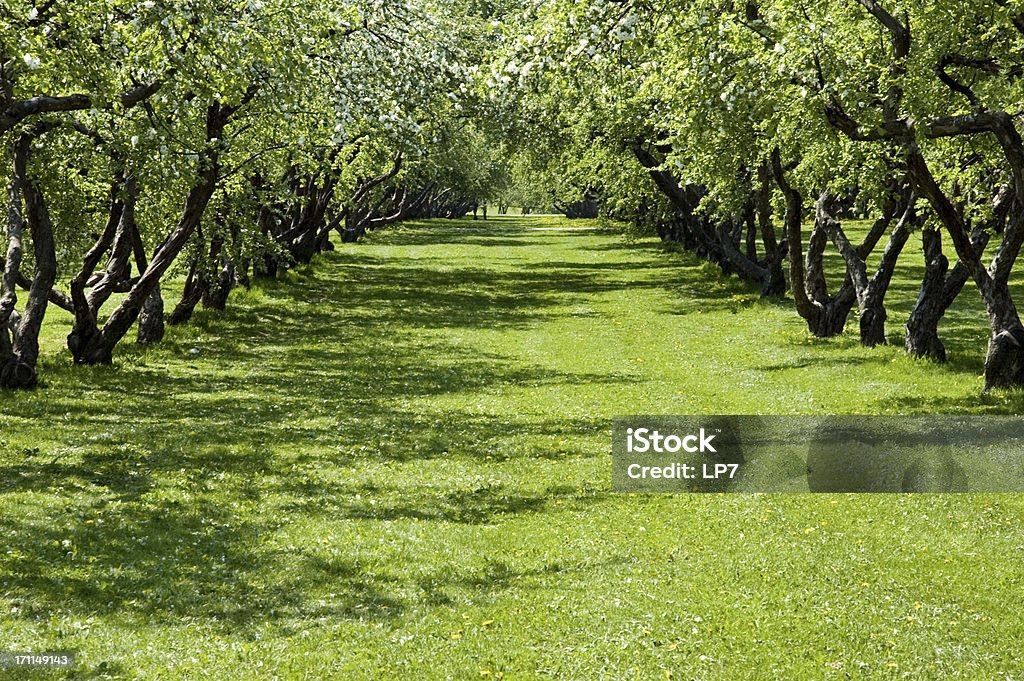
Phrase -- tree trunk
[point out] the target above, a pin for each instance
(1004, 363)
(215, 293)
(84, 325)
(26, 343)
(937, 293)
(721, 245)
(872, 303)
(869, 292)
(118, 269)
(190, 296)
(750, 224)
(100, 349)
(1005, 357)
(9, 317)
(794, 239)
(20, 369)
(922, 336)
(774, 284)
(151, 319)
(825, 316)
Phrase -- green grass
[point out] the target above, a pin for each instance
(396, 465)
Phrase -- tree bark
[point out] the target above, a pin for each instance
(872, 304)
(19, 371)
(938, 292)
(190, 296)
(869, 291)
(721, 245)
(118, 269)
(825, 316)
(215, 293)
(151, 319)
(775, 282)
(84, 325)
(9, 317)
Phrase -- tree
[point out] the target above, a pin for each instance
(718, 99)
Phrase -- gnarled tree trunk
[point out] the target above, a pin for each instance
(151, 318)
(938, 291)
(870, 292)
(825, 315)
(774, 283)
(9, 317)
(723, 244)
(19, 356)
(1004, 362)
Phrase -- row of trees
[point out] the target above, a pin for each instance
(227, 139)
(222, 139)
(752, 130)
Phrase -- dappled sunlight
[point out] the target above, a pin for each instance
(417, 426)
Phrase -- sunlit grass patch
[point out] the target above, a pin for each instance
(395, 464)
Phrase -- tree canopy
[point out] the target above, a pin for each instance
(223, 140)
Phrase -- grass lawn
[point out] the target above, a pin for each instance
(396, 465)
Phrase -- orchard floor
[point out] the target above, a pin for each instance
(395, 464)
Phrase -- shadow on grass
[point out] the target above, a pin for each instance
(818, 362)
(963, 330)
(496, 576)
(165, 488)
(168, 559)
(161, 488)
(995, 402)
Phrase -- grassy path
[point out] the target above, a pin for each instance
(395, 465)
